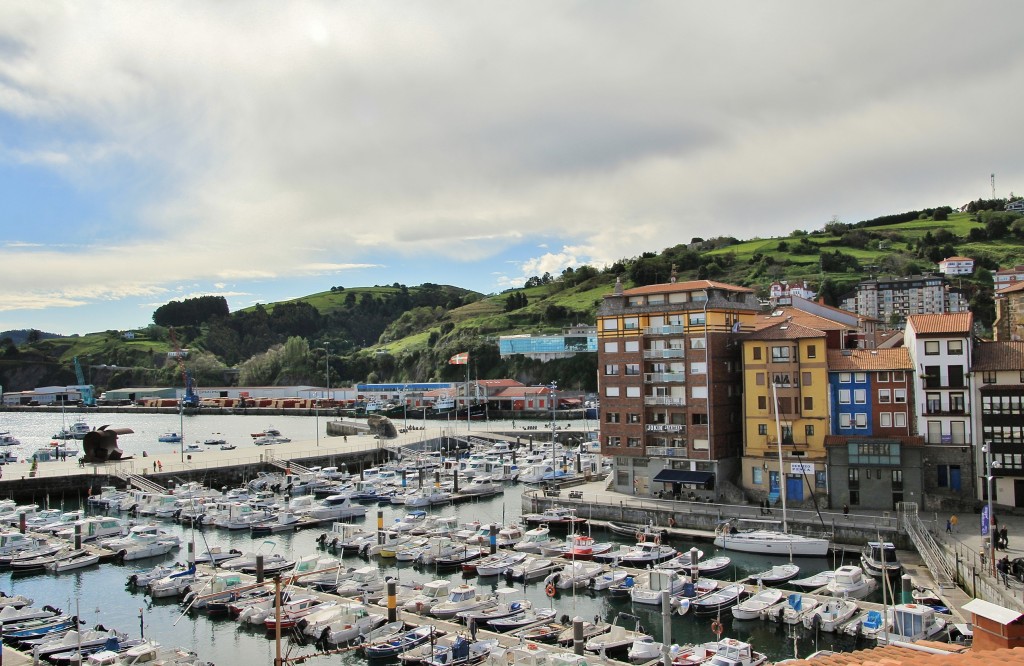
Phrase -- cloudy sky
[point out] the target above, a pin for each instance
(266, 150)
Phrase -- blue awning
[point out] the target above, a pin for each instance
(683, 476)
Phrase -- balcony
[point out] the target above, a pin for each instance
(664, 330)
(664, 400)
(664, 377)
(664, 353)
(665, 427)
(666, 451)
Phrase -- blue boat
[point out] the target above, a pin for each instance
(402, 643)
(63, 623)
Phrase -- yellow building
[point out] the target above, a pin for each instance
(785, 395)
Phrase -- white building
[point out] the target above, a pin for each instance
(1004, 277)
(956, 266)
(940, 349)
(782, 293)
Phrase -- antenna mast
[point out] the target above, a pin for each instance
(993, 180)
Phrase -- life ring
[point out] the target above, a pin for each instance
(640, 537)
(550, 590)
(911, 606)
(671, 522)
(716, 627)
(657, 540)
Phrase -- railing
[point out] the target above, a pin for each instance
(937, 563)
(664, 353)
(664, 427)
(659, 377)
(666, 451)
(664, 330)
(664, 400)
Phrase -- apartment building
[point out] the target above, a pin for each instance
(941, 353)
(874, 457)
(669, 375)
(999, 419)
(956, 266)
(893, 299)
(1004, 277)
(1009, 323)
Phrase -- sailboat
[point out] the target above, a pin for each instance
(765, 540)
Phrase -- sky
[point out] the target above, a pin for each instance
(262, 151)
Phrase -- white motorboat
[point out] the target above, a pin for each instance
(647, 649)
(174, 584)
(618, 639)
(509, 536)
(536, 539)
(93, 529)
(461, 598)
(608, 579)
(533, 568)
(482, 485)
(646, 553)
(752, 607)
(140, 535)
(815, 582)
(768, 541)
(649, 589)
(493, 565)
(850, 582)
(684, 561)
(432, 594)
(575, 575)
(509, 603)
(362, 581)
(778, 574)
(7, 439)
(336, 507)
(351, 623)
(829, 615)
(879, 558)
(909, 623)
(78, 559)
(793, 609)
(731, 652)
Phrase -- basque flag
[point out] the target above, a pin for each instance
(459, 359)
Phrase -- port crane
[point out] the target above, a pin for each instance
(190, 398)
(87, 390)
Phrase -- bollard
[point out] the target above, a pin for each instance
(421, 476)
(531, 443)
(437, 479)
(455, 479)
(494, 538)
(579, 463)
(404, 482)
(666, 629)
(392, 593)
(380, 527)
(191, 556)
(906, 588)
(259, 569)
(23, 523)
(577, 635)
(78, 536)
(514, 453)
(694, 570)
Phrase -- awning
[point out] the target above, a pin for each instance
(683, 476)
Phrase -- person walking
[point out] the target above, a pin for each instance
(953, 519)
(1003, 538)
(949, 525)
(1003, 567)
(846, 509)
(472, 624)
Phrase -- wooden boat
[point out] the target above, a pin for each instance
(751, 608)
(717, 601)
(778, 574)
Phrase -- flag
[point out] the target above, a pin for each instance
(459, 359)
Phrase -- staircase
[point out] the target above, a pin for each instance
(930, 551)
(144, 484)
(293, 468)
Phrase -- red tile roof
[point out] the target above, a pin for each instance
(898, 655)
(786, 330)
(801, 317)
(1002, 355)
(1016, 286)
(870, 359)
(955, 322)
(692, 285)
(520, 391)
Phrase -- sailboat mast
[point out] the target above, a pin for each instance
(778, 435)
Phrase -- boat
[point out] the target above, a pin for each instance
(713, 565)
(684, 561)
(457, 558)
(528, 617)
(909, 623)
(509, 602)
(462, 652)
(291, 612)
(346, 622)
(432, 594)
(394, 646)
(817, 581)
(729, 652)
(645, 553)
(169, 437)
(926, 596)
(574, 575)
(829, 615)
(653, 584)
(719, 600)
(76, 560)
(536, 539)
(850, 582)
(461, 598)
(768, 541)
(608, 579)
(793, 609)
(618, 639)
(7, 439)
(482, 486)
(76, 430)
(493, 565)
(556, 517)
(509, 536)
(625, 529)
(752, 607)
(581, 547)
(194, 448)
(778, 574)
(533, 568)
(215, 440)
(879, 558)
(228, 447)
(216, 555)
(362, 581)
(282, 521)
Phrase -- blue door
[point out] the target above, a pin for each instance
(795, 488)
(954, 478)
(773, 487)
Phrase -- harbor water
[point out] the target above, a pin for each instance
(101, 597)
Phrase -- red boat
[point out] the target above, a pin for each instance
(583, 547)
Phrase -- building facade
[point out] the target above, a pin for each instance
(572, 341)
(956, 266)
(669, 377)
(1009, 323)
(1004, 277)
(999, 385)
(894, 299)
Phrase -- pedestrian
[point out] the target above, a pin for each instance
(472, 628)
(160, 465)
(846, 509)
(154, 465)
(953, 519)
(949, 526)
(760, 505)
(1003, 567)
(1003, 537)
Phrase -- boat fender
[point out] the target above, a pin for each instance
(639, 536)
(550, 590)
(564, 619)
(133, 579)
(51, 609)
(657, 540)
(121, 555)
(325, 633)
(911, 606)
(716, 627)
(100, 627)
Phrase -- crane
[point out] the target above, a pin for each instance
(190, 398)
(88, 398)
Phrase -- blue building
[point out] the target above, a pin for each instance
(572, 341)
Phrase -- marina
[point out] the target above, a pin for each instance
(101, 589)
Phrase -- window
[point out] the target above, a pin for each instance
(956, 403)
(931, 347)
(632, 391)
(699, 392)
(757, 353)
(844, 420)
(885, 419)
(988, 377)
(633, 442)
(899, 396)
(762, 428)
(632, 418)
(899, 376)
(762, 402)
(884, 396)
(845, 377)
(698, 368)
(632, 369)
(862, 420)
(698, 343)
(632, 345)
(806, 378)
(860, 377)
(808, 404)
(611, 347)
(635, 301)
(614, 441)
(883, 377)
(955, 347)
(853, 477)
(631, 323)
(699, 419)
(933, 402)
(611, 369)
(808, 431)
(759, 378)
(611, 417)
(757, 475)
(787, 434)
(860, 396)
(820, 480)
(900, 420)
(812, 351)
(844, 396)
(697, 319)
(611, 391)
(780, 354)
(610, 324)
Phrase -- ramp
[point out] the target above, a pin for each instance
(930, 551)
(144, 484)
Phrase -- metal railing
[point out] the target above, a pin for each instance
(930, 551)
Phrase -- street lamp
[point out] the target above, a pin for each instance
(990, 464)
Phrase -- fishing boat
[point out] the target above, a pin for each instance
(574, 575)
(879, 558)
(909, 623)
(777, 575)
(618, 638)
(527, 617)
(850, 582)
(829, 615)
(719, 600)
(752, 607)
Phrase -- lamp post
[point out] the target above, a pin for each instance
(327, 368)
(990, 464)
